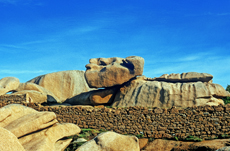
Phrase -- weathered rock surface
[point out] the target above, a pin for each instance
(9, 142)
(32, 96)
(63, 84)
(169, 145)
(35, 130)
(8, 84)
(31, 123)
(46, 139)
(108, 72)
(142, 92)
(185, 77)
(12, 112)
(32, 86)
(94, 97)
(111, 141)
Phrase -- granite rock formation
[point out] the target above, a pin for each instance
(63, 84)
(152, 93)
(34, 130)
(108, 72)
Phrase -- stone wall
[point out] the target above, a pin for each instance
(203, 121)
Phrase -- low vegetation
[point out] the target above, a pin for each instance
(227, 99)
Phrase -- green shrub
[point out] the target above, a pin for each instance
(193, 138)
(227, 99)
(228, 88)
(139, 135)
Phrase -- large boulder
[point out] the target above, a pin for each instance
(32, 86)
(108, 72)
(148, 93)
(35, 130)
(8, 84)
(9, 142)
(63, 84)
(111, 141)
(49, 138)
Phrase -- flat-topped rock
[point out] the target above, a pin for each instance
(141, 92)
(108, 72)
(185, 77)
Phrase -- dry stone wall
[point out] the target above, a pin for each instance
(202, 121)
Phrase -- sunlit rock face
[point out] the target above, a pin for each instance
(108, 72)
(63, 84)
(147, 92)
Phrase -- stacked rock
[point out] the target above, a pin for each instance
(117, 82)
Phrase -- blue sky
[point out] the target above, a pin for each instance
(43, 36)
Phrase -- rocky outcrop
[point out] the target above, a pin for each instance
(108, 72)
(35, 130)
(148, 93)
(8, 84)
(111, 141)
(51, 98)
(63, 84)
